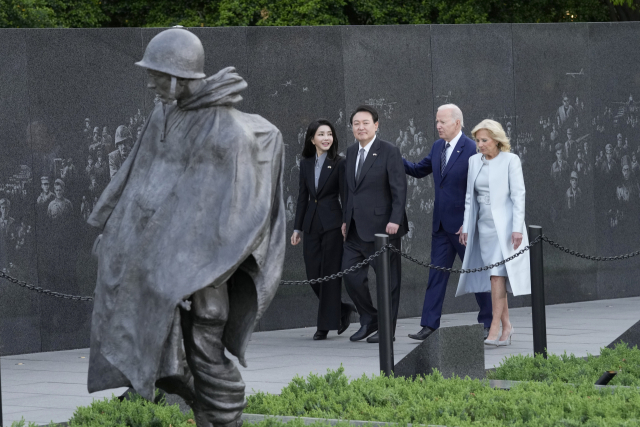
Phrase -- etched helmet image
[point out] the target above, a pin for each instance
(177, 52)
(122, 134)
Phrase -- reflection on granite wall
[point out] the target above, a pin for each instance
(73, 104)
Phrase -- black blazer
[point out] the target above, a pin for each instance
(380, 195)
(326, 201)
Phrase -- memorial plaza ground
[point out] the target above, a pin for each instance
(45, 387)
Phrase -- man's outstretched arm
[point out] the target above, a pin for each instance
(418, 170)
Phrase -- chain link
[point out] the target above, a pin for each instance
(410, 258)
(342, 273)
(361, 264)
(40, 290)
(589, 257)
(469, 270)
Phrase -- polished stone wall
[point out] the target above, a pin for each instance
(562, 91)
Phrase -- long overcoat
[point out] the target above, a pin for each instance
(197, 203)
(507, 194)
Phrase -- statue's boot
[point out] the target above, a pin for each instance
(219, 389)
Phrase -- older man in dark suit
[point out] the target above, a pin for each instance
(449, 163)
(375, 200)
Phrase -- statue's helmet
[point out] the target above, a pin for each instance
(177, 52)
(122, 134)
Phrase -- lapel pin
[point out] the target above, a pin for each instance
(328, 167)
(458, 151)
(375, 154)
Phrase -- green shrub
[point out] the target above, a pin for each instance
(136, 412)
(544, 400)
(139, 412)
(454, 402)
(571, 369)
(23, 423)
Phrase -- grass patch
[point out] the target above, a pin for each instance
(544, 399)
(454, 402)
(571, 369)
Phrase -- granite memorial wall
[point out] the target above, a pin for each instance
(564, 93)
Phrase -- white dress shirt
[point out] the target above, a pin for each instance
(366, 151)
(452, 145)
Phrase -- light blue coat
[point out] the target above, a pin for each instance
(507, 194)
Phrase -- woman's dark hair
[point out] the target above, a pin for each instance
(309, 149)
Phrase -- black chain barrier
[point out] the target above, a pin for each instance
(361, 264)
(410, 258)
(589, 257)
(40, 290)
(469, 270)
(340, 274)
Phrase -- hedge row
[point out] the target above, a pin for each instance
(544, 400)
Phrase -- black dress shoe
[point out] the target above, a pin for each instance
(423, 334)
(320, 335)
(376, 338)
(486, 333)
(364, 331)
(345, 320)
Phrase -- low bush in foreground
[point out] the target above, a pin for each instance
(139, 412)
(453, 402)
(544, 400)
(571, 369)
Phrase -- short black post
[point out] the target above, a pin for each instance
(538, 316)
(384, 307)
(1, 421)
(606, 377)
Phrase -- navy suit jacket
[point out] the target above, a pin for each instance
(451, 187)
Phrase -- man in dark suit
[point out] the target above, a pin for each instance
(449, 162)
(375, 199)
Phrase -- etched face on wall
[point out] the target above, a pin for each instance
(626, 172)
(59, 191)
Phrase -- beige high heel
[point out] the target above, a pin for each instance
(508, 340)
(492, 342)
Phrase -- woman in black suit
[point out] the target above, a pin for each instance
(319, 216)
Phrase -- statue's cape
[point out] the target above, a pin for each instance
(200, 207)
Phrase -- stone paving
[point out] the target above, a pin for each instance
(45, 387)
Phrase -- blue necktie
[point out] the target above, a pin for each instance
(360, 164)
(443, 158)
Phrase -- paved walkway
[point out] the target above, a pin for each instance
(45, 387)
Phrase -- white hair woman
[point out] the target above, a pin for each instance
(494, 228)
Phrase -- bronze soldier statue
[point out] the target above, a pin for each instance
(193, 239)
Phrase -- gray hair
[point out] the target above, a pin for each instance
(456, 112)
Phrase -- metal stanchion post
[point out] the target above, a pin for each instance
(1, 421)
(384, 307)
(538, 316)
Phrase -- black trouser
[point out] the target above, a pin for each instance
(322, 257)
(219, 389)
(357, 283)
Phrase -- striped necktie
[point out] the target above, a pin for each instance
(443, 158)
